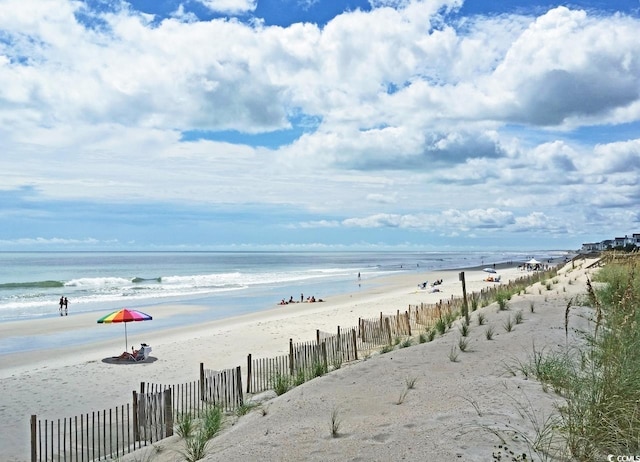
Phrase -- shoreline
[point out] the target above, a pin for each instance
(61, 382)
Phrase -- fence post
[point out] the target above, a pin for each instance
(34, 445)
(338, 338)
(249, 373)
(465, 307)
(202, 382)
(318, 336)
(136, 429)
(291, 356)
(408, 321)
(239, 386)
(388, 326)
(324, 356)
(168, 413)
(355, 343)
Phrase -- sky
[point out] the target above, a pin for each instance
(318, 124)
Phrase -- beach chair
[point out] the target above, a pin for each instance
(142, 353)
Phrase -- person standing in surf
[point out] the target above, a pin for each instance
(61, 304)
(66, 306)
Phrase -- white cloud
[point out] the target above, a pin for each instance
(229, 6)
(423, 121)
(619, 157)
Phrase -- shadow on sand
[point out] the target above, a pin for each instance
(126, 362)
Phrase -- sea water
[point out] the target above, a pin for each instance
(31, 283)
(226, 283)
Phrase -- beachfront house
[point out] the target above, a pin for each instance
(625, 242)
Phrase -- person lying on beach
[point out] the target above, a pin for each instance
(126, 355)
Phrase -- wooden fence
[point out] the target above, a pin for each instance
(262, 371)
(101, 435)
(222, 388)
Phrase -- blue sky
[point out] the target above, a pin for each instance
(302, 124)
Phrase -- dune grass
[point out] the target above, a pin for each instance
(600, 379)
(196, 439)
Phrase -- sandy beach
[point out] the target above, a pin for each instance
(437, 420)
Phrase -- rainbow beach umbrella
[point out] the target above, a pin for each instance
(125, 315)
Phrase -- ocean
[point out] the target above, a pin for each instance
(31, 283)
(226, 283)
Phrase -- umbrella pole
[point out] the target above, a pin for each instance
(126, 343)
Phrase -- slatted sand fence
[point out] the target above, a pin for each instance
(373, 333)
(305, 357)
(154, 415)
(222, 388)
(261, 372)
(186, 398)
(340, 347)
(96, 435)
(423, 317)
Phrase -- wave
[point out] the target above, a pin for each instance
(98, 282)
(32, 285)
(137, 279)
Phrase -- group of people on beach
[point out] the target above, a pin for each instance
(64, 305)
(311, 299)
(424, 284)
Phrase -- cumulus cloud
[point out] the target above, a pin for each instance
(566, 67)
(421, 119)
(622, 156)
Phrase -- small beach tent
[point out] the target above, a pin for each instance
(533, 261)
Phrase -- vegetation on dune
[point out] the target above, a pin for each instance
(600, 379)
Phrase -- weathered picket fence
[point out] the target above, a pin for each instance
(102, 435)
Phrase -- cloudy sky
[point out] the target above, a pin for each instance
(318, 124)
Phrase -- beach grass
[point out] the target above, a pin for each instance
(281, 383)
(335, 422)
(502, 298)
(463, 344)
(387, 349)
(318, 369)
(453, 354)
(489, 333)
(600, 379)
(196, 442)
(186, 425)
(518, 317)
(508, 324)
(300, 378)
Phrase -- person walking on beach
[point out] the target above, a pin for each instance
(66, 306)
(61, 304)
